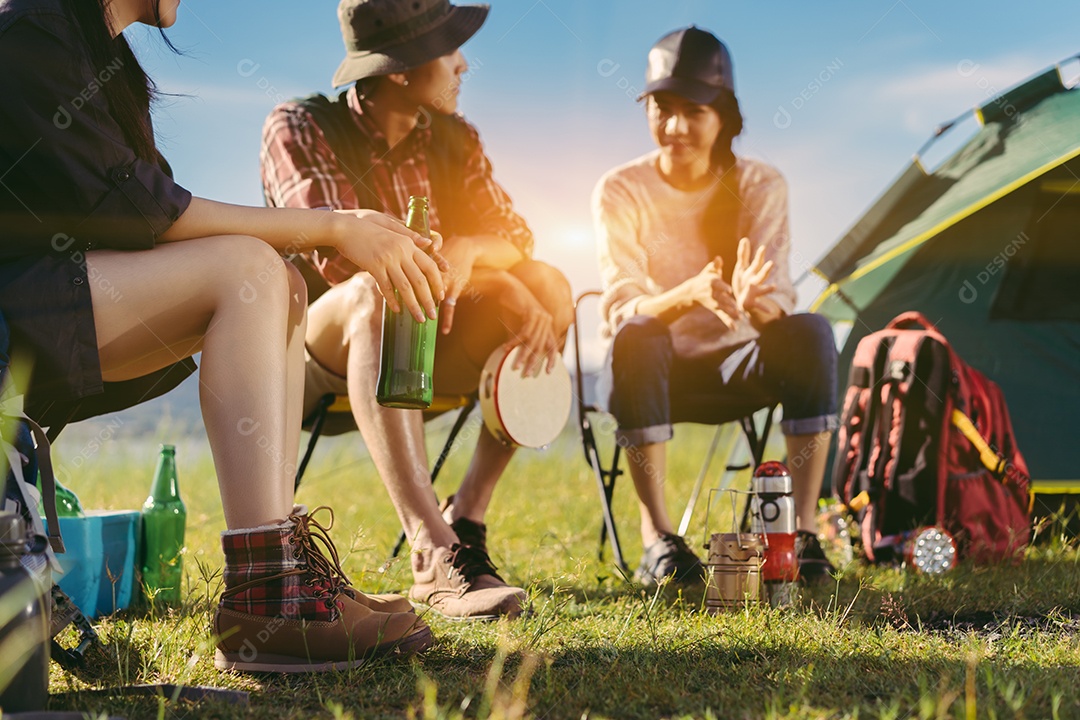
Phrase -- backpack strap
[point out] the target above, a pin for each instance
(48, 477)
(11, 408)
(993, 462)
(900, 376)
(873, 412)
(48, 483)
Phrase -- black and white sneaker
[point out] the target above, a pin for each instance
(814, 567)
(669, 557)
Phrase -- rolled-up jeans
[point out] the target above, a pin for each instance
(792, 362)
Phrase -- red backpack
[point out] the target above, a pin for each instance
(926, 440)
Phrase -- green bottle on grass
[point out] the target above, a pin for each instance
(67, 502)
(163, 519)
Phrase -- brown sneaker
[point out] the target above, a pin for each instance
(288, 607)
(460, 583)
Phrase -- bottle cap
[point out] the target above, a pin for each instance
(771, 478)
(771, 469)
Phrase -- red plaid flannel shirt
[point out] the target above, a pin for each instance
(299, 170)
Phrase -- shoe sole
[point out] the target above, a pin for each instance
(458, 618)
(268, 663)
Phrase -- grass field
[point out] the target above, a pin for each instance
(879, 643)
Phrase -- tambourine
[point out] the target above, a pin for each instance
(523, 411)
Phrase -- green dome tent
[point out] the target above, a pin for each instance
(987, 245)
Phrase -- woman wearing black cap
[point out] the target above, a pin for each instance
(694, 246)
(112, 276)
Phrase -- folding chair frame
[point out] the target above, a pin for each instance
(606, 476)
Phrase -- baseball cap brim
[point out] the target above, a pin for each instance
(693, 90)
(460, 24)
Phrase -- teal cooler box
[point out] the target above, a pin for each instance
(100, 560)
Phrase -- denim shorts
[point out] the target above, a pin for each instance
(649, 387)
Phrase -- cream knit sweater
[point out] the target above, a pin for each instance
(650, 237)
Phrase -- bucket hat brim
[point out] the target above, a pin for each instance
(453, 31)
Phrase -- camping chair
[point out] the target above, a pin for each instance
(333, 416)
(706, 409)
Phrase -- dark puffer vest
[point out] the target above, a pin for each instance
(445, 156)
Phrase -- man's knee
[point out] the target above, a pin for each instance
(548, 285)
(361, 304)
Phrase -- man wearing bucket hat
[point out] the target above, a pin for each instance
(392, 134)
(693, 248)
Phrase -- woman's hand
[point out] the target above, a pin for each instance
(748, 280)
(709, 290)
(395, 256)
(460, 255)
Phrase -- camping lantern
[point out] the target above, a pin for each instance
(932, 551)
(772, 513)
(734, 571)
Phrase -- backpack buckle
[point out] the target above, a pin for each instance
(899, 370)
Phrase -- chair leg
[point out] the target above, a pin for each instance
(684, 524)
(605, 479)
(320, 414)
(459, 423)
(605, 484)
(756, 444)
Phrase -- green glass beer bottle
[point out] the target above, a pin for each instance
(163, 520)
(408, 347)
(67, 502)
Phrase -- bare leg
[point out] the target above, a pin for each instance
(344, 329)
(648, 469)
(807, 455)
(229, 297)
(487, 466)
(482, 327)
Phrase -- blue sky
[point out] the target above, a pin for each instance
(837, 95)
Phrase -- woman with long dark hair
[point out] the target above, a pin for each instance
(112, 276)
(693, 255)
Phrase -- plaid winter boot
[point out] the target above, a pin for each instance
(288, 607)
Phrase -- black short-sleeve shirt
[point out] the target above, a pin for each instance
(69, 183)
